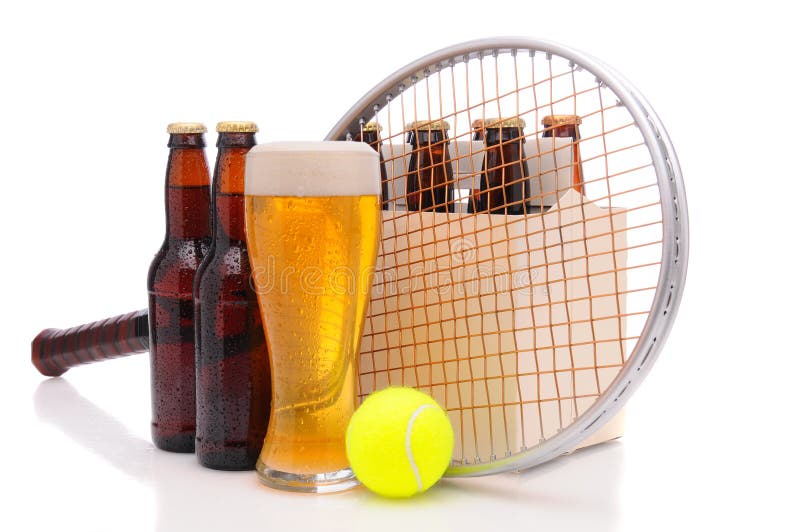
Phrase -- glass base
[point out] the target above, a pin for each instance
(340, 480)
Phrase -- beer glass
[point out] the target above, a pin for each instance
(313, 224)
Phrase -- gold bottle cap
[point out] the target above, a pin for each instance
(477, 123)
(237, 127)
(561, 120)
(496, 123)
(184, 128)
(372, 126)
(432, 125)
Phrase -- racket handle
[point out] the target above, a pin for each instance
(54, 351)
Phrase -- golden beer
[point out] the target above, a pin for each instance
(313, 223)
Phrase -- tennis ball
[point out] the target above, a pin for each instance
(399, 442)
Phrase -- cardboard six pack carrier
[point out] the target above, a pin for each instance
(473, 327)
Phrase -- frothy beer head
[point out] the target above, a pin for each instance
(326, 168)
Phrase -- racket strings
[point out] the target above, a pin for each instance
(515, 323)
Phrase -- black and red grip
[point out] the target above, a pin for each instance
(54, 351)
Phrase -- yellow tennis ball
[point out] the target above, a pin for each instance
(399, 442)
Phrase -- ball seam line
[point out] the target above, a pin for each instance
(409, 453)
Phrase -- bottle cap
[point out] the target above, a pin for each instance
(432, 125)
(561, 120)
(477, 123)
(183, 128)
(372, 126)
(237, 127)
(495, 123)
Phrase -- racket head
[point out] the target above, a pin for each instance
(649, 308)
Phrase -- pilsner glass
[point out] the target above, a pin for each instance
(313, 225)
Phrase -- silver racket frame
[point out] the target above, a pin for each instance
(675, 243)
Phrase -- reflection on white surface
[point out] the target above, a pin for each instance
(577, 492)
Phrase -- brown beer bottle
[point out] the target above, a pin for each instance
(504, 177)
(567, 126)
(232, 364)
(169, 286)
(430, 183)
(371, 134)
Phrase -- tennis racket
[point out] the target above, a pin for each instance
(532, 329)
(54, 351)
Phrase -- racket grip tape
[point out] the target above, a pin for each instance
(54, 351)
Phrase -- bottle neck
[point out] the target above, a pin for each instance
(564, 131)
(371, 138)
(433, 138)
(497, 135)
(229, 188)
(504, 154)
(187, 188)
(571, 131)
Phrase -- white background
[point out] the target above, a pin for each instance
(86, 90)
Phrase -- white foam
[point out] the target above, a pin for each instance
(324, 168)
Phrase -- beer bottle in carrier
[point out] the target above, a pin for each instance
(232, 364)
(430, 183)
(567, 126)
(371, 134)
(169, 285)
(504, 179)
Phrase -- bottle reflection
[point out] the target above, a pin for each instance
(177, 481)
(576, 492)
